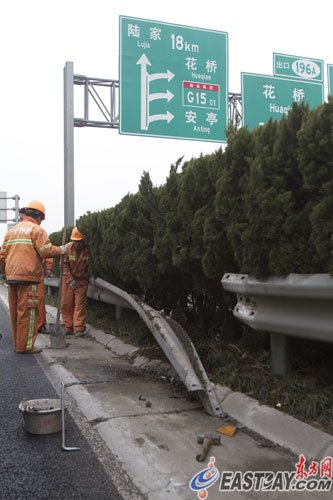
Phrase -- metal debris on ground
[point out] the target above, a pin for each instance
(207, 440)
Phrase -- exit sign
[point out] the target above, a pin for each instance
(304, 68)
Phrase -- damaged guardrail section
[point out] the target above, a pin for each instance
(171, 337)
(298, 305)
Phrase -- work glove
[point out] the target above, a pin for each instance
(63, 249)
(73, 284)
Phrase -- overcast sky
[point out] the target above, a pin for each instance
(37, 37)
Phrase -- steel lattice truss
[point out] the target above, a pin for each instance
(99, 104)
(99, 99)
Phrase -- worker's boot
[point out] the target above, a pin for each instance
(80, 334)
(43, 329)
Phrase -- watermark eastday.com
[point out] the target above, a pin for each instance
(317, 476)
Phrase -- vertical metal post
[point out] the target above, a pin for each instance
(69, 217)
(86, 100)
(281, 354)
(119, 312)
(16, 198)
(3, 206)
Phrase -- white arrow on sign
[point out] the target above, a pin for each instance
(156, 76)
(167, 116)
(146, 97)
(161, 95)
(144, 62)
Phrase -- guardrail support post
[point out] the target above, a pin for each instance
(119, 312)
(281, 354)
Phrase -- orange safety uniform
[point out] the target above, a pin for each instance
(47, 266)
(21, 263)
(74, 301)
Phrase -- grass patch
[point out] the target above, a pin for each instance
(244, 365)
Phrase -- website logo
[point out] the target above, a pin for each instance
(309, 477)
(204, 479)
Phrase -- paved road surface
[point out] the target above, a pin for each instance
(34, 466)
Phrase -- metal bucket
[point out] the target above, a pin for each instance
(41, 416)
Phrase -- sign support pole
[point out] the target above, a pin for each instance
(69, 145)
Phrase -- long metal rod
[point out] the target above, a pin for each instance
(79, 122)
(63, 446)
(57, 334)
(61, 278)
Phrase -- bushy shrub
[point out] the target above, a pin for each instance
(262, 206)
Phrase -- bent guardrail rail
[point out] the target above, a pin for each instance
(172, 338)
(95, 292)
(298, 305)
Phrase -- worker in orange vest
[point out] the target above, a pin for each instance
(21, 263)
(75, 285)
(47, 271)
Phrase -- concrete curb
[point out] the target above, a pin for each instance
(274, 425)
(278, 427)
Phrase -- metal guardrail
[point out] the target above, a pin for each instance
(171, 337)
(299, 305)
(95, 292)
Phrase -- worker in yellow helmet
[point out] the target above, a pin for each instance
(75, 285)
(21, 262)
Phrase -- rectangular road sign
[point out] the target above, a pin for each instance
(173, 80)
(265, 97)
(330, 78)
(304, 68)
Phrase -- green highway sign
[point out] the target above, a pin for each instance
(173, 80)
(265, 97)
(298, 67)
(330, 78)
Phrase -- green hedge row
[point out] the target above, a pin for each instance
(263, 206)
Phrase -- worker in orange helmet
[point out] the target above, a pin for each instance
(75, 285)
(47, 271)
(21, 262)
